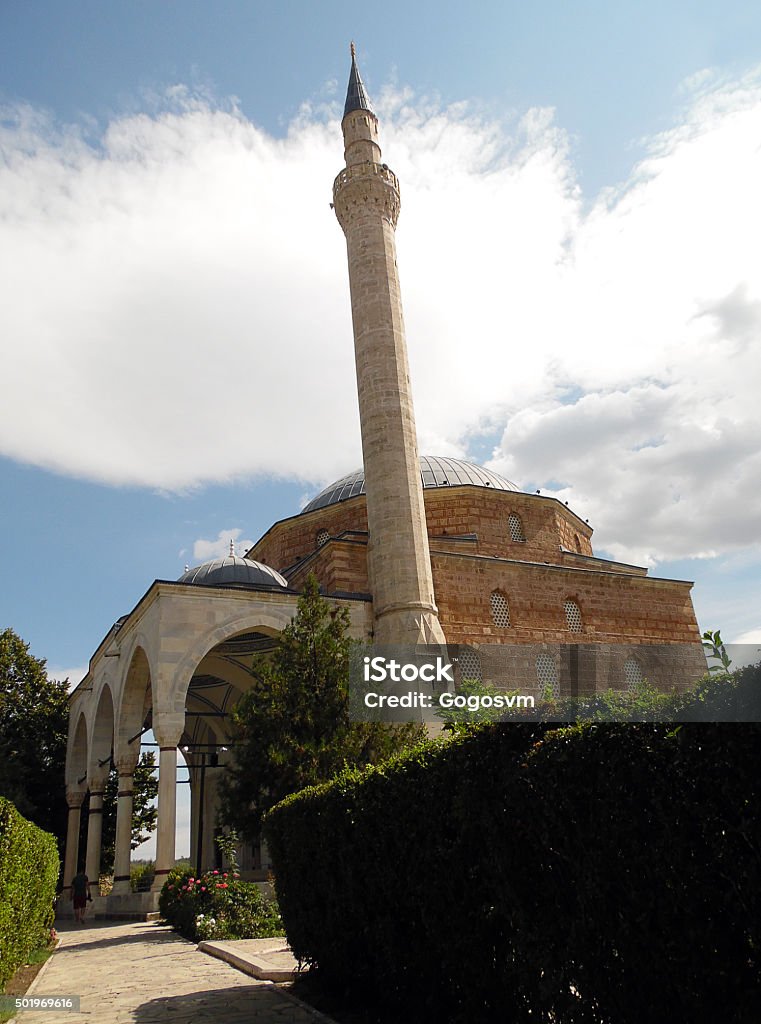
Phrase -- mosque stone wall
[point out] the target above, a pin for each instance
(613, 606)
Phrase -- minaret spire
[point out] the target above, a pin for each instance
(366, 201)
(356, 97)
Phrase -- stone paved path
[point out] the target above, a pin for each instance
(142, 973)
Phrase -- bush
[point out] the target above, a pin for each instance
(217, 906)
(28, 877)
(141, 875)
(605, 872)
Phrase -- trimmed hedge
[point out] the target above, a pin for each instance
(599, 873)
(28, 877)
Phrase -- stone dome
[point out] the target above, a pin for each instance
(233, 571)
(435, 471)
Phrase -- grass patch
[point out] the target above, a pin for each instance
(19, 984)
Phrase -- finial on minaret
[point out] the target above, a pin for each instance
(356, 97)
(232, 548)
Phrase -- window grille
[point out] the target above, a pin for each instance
(470, 665)
(633, 676)
(500, 610)
(573, 616)
(547, 674)
(322, 537)
(515, 525)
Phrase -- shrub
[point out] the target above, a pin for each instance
(28, 876)
(605, 872)
(141, 876)
(217, 906)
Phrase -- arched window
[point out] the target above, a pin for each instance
(469, 662)
(515, 526)
(573, 616)
(633, 676)
(577, 542)
(547, 674)
(321, 537)
(500, 610)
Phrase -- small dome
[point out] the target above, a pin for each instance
(233, 571)
(435, 471)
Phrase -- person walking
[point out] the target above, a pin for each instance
(80, 894)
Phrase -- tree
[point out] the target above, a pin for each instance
(145, 787)
(292, 728)
(34, 714)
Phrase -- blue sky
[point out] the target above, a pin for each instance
(582, 296)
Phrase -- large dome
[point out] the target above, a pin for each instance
(233, 571)
(435, 471)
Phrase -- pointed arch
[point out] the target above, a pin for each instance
(101, 744)
(77, 756)
(136, 700)
(270, 622)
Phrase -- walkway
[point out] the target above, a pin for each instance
(142, 973)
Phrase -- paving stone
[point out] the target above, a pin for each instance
(142, 973)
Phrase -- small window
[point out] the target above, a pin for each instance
(547, 674)
(578, 543)
(573, 616)
(500, 610)
(633, 676)
(515, 525)
(470, 665)
(322, 537)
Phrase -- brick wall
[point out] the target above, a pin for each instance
(472, 554)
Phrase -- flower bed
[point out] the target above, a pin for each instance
(218, 905)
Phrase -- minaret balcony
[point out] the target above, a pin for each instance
(365, 170)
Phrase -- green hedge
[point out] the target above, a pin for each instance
(607, 872)
(28, 877)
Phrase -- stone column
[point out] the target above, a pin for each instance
(167, 729)
(123, 843)
(94, 830)
(74, 799)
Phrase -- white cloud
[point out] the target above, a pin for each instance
(75, 675)
(205, 550)
(177, 306)
(753, 636)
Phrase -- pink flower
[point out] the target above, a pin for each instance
(170, 887)
(215, 871)
(184, 888)
(225, 875)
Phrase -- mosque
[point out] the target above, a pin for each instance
(419, 549)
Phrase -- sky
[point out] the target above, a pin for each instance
(578, 252)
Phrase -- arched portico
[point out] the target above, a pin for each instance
(133, 719)
(76, 776)
(176, 665)
(101, 748)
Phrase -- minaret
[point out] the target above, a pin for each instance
(366, 201)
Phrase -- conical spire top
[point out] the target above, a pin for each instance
(356, 97)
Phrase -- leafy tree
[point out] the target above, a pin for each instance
(292, 728)
(145, 787)
(34, 713)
